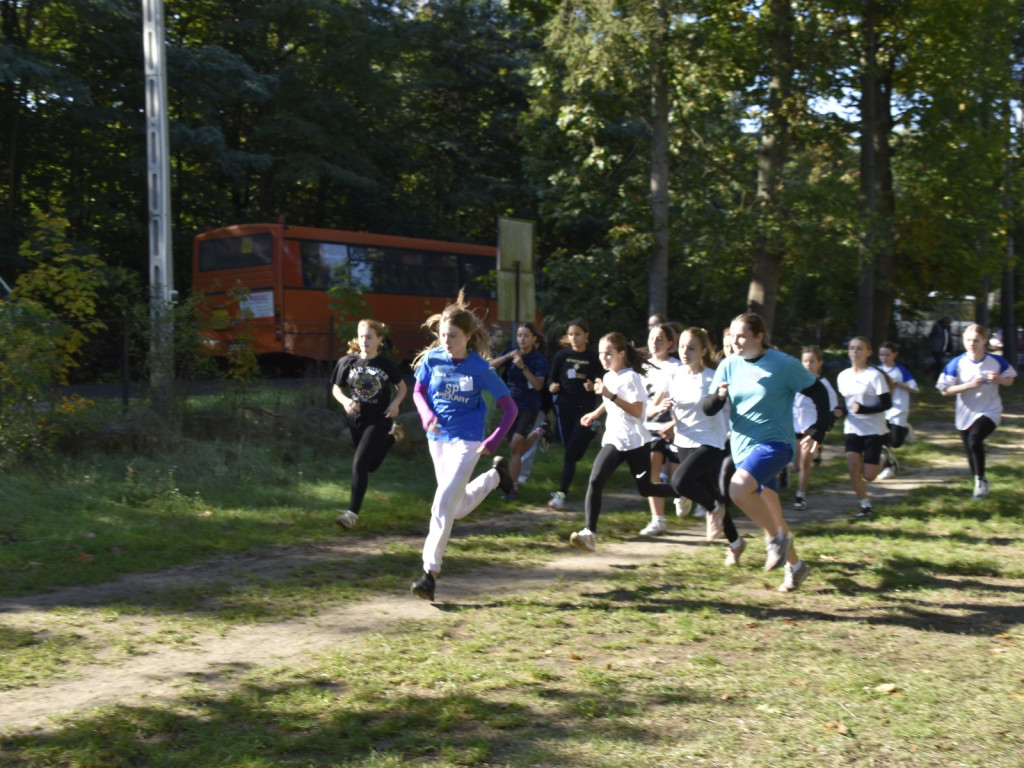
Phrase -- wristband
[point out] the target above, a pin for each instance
(614, 397)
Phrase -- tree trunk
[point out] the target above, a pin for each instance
(657, 302)
(762, 295)
(876, 289)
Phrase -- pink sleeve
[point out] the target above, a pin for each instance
(421, 400)
(509, 411)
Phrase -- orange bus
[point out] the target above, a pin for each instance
(286, 271)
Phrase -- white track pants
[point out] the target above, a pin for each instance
(456, 496)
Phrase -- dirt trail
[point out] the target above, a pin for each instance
(220, 660)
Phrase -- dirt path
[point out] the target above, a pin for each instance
(221, 660)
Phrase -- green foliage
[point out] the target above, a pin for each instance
(46, 321)
(346, 302)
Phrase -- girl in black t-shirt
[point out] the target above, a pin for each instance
(362, 382)
(573, 370)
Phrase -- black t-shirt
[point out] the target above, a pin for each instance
(369, 383)
(570, 369)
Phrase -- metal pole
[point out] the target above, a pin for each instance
(158, 182)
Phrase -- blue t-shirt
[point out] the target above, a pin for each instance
(761, 396)
(456, 393)
(526, 397)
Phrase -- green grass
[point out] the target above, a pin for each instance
(903, 649)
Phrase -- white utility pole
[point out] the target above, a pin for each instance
(158, 182)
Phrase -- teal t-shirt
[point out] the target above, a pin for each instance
(760, 397)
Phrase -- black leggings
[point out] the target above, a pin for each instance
(702, 476)
(897, 435)
(639, 461)
(372, 444)
(974, 443)
(575, 438)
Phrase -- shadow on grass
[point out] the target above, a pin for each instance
(329, 722)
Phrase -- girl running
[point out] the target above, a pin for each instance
(897, 418)
(699, 438)
(664, 459)
(867, 396)
(975, 377)
(574, 370)
(804, 416)
(759, 384)
(625, 439)
(451, 376)
(526, 369)
(362, 382)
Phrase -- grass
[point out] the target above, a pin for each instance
(903, 649)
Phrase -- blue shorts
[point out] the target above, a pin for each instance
(765, 462)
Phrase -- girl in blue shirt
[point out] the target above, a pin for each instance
(759, 383)
(451, 376)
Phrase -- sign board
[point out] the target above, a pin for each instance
(516, 289)
(515, 244)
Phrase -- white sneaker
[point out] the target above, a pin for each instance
(683, 506)
(656, 527)
(980, 488)
(885, 474)
(734, 550)
(715, 521)
(777, 549)
(347, 519)
(794, 577)
(557, 500)
(584, 540)
(699, 511)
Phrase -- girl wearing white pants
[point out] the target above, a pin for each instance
(452, 375)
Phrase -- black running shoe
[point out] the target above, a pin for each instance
(506, 483)
(424, 586)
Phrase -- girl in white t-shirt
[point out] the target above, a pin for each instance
(804, 417)
(664, 458)
(866, 397)
(625, 438)
(898, 417)
(975, 377)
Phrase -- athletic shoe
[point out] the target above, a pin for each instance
(892, 464)
(347, 519)
(656, 527)
(505, 482)
(714, 522)
(543, 433)
(794, 577)
(699, 511)
(584, 540)
(980, 488)
(732, 553)
(683, 506)
(777, 549)
(424, 586)
(799, 502)
(886, 474)
(557, 500)
(865, 511)
(397, 431)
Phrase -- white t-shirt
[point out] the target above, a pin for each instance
(900, 410)
(692, 426)
(982, 401)
(864, 387)
(622, 430)
(655, 382)
(805, 415)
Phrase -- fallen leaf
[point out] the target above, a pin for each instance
(83, 557)
(206, 513)
(751, 625)
(798, 682)
(575, 657)
(885, 688)
(1002, 636)
(836, 726)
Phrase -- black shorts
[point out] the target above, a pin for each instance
(665, 449)
(870, 446)
(525, 422)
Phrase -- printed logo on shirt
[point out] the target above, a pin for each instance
(466, 384)
(452, 390)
